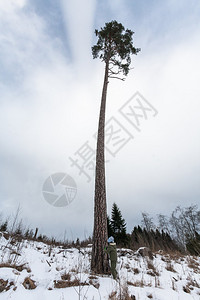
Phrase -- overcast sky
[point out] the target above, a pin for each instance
(50, 91)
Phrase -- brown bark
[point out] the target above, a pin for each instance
(99, 263)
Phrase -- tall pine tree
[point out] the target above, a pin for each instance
(114, 48)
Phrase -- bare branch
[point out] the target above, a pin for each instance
(117, 78)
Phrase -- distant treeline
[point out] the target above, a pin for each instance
(155, 240)
(178, 232)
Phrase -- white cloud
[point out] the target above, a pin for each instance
(79, 19)
(8, 6)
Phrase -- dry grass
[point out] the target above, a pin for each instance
(73, 270)
(169, 267)
(157, 282)
(5, 285)
(122, 295)
(66, 276)
(192, 283)
(136, 271)
(193, 264)
(93, 280)
(112, 295)
(175, 256)
(92, 277)
(29, 284)
(58, 284)
(173, 283)
(186, 289)
(95, 283)
(152, 273)
(19, 268)
(152, 269)
(138, 283)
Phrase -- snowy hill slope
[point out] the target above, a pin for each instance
(33, 270)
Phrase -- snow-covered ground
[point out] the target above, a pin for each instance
(64, 274)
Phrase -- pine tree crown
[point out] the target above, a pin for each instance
(115, 47)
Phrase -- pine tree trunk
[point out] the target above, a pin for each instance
(99, 263)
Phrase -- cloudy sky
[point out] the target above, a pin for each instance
(50, 90)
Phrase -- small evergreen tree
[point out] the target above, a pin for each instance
(118, 226)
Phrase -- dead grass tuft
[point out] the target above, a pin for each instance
(95, 283)
(112, 295)
(169, 267)
(137, 283)
(29, 284)
(152, 269)
(59, 284)
(66, 276)
(5, 285)
(186, 289)
(123, 294)
(92, 277)
(193, 264)
(136, 271)
(192, 283)
(19, 268)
